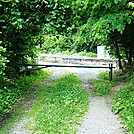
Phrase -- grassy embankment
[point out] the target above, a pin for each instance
(123, 101)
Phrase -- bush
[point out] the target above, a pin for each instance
(2, 60)
(15, 89)
(123, 104)
(104, 75)
(87, 54)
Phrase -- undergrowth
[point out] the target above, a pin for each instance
(102, 86)
(58, 107)
(123, 104)
(13, 90)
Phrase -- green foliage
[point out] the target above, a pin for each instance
(66, 21)
(57, 26)
(13, 90)
(21, 23)
(3, 60)
(55, 44)
(87, 54)
(67, 52)
(104, 75)
(132, 5)
(123, 104)
(58, 107)
(110, 24)
(24, 23)
(16, 35)
(103, 86)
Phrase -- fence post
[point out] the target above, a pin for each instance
(110, 71)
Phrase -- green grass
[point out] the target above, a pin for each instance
(15, 116)
(104, 75)
(16, 88)
(59, 107)
(102, 86)
(11, 96)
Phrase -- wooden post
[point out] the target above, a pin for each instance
(110, 71)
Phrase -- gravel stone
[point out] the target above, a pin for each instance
(19, 126)
(99, 119)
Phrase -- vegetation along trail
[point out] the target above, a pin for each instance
(98, 120)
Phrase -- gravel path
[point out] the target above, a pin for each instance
(98, 120)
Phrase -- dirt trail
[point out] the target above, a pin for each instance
(98, 120)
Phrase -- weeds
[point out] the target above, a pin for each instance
(102, 86)
(123, 104)
(15, 89)
(58, 107)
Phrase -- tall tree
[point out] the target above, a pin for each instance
(21, 22)
(107, 20)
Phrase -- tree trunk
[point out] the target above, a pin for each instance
(118, 56)
(130, 56)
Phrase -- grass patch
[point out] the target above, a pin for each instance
(16, 88)
(15, 116)
(102, 86)
(11, 106)
(59, 107)
(104, 75)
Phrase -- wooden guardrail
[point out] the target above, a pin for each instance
(69, 65)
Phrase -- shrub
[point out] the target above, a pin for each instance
(123, 104)
(15, 89)
(87, 54)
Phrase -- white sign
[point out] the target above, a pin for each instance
(101, 53)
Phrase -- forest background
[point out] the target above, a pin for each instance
(59, 25)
